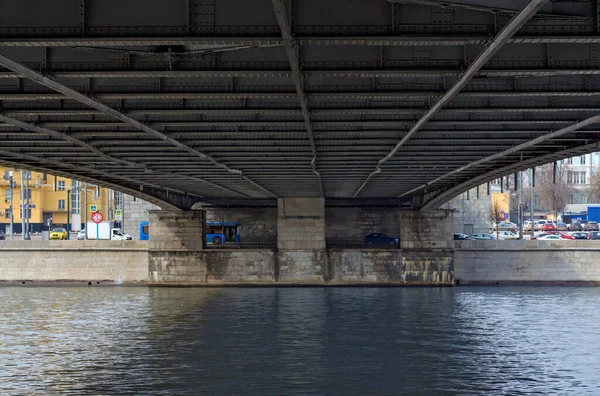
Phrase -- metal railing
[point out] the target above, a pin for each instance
(258, 242)
(357, 243)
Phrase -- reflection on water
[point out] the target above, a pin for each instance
(497, 340)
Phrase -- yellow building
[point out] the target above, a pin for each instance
(48, 197)
(503, 201)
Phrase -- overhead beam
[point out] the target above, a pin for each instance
(403, 40)
(291, 50)
(316, 96)
(501, 38)
(75, 95)
(12, 112)
(402, 73)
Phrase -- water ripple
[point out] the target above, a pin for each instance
(297, 341)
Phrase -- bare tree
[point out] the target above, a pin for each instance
(593, 192)
(553, 193)
(496, 215)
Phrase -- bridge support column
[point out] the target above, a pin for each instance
(175, 243)
(427, 245)
(301, 256)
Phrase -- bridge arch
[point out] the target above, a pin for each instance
(437, 199)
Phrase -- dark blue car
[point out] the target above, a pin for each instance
(379, 239)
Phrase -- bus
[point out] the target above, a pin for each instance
(217, 232)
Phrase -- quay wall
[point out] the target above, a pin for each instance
(468, 262)
(74, 261)
(513, 262)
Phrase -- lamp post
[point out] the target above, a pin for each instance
(69, 214)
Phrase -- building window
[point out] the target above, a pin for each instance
(569, 161)
(8, 195)
(61, 204)
(496, 182)
(27, 192)
(7, 213)
(61, 185)
(576, 177)
(582, 159)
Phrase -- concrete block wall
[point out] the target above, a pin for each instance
(301, 224)
(427, 230)
(212, 267)
(356, 222)
(527, 261)
(134, 212)
(176, 231)
(385, 266)
(472, 213)
(74, 261)
(302, 266)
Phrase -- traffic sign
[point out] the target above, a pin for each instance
(118, 212)
(93, 208)
(97, 217)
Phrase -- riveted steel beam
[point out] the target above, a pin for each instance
(501, 38)
(291, 50)
(75, 95)
(397, 40)
(401, 73)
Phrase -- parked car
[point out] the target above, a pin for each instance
(58, 233)
(505, 226)
(2, 236)
(548, 227)
(581, 235)
(534, 237)
(594, 235)
(379, 239)
(481, 236)
(504, 235)
(577, 226)
(550, 237)
(592, 226)
(560, 226)
(562, 235)
(538, 225)
(81, 235)
(462, 237)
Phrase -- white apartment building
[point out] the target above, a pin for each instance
(579, 172)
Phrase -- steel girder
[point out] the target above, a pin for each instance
(240, 93)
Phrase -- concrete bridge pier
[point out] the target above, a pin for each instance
(176, 241)
(301, 255)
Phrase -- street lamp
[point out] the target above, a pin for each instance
(69, 214)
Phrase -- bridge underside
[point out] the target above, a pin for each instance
(227, 102)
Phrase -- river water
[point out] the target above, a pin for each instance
(298, 341)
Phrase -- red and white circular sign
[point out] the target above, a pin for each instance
(97, 217)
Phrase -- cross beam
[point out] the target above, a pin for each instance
(502, 38)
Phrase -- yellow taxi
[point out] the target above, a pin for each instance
(58, 233)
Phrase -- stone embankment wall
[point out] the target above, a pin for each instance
(138, 262)
(55, 261)
(491, 262)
